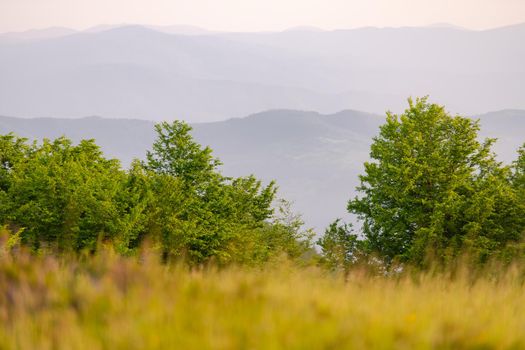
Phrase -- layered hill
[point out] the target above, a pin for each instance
(163, 73)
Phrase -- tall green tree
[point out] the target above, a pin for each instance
(203, 214)
(175, 153)
(432, 189)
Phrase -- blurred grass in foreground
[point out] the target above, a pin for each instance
(107, 302)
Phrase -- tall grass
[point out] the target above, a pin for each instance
(107, 302)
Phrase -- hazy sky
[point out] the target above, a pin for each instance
(254, 15)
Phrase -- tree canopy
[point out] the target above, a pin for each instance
(71, 198)
(433, 189)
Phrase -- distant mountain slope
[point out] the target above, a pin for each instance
(315, 158)
(124, 139)
(35, 34)
(508, 126)
(139, 72)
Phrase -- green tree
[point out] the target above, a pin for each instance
(175, 153)
(518, 176)
(518, 183)
(70, 198)
(12, 151)
(135, 202)
(200, 213)
(339, 245)
(433, 189)
(64, 195)
(285, 235)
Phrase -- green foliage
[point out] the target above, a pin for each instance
(518, 183)
(339, 245)
(12, 150)
(202, 214)
(135, 198)
(286, 234)
(69, 197)
(518, 176)
(432, 189)
(64, 195)
(280, 236)
(175, 153)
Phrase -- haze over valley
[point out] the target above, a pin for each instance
(180, 72)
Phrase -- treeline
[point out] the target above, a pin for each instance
(431, 193)
(61, 197)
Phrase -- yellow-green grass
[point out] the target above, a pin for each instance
(115, 303)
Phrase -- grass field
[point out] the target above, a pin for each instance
(114, 303)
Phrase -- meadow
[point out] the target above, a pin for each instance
(111, 302)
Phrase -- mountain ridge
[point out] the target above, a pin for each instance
(192, 28)
(133, 71)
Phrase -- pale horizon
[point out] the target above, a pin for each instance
(256, 15)
(305, 26)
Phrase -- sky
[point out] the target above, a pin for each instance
(259, 15)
